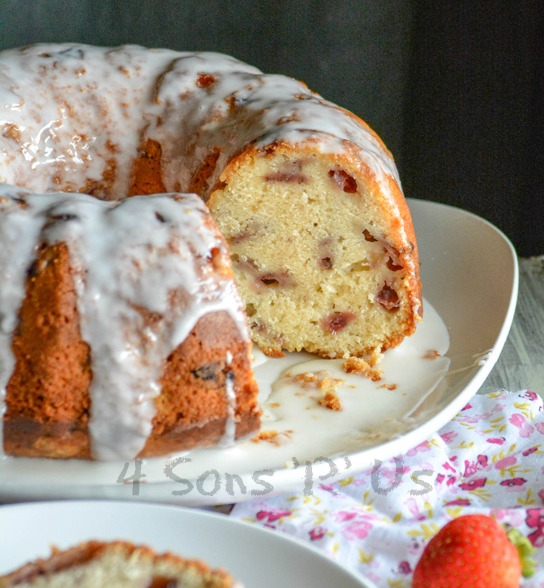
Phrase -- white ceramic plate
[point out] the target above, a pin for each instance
(252, 555)
(469, 274)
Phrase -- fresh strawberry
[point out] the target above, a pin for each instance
(472, 551)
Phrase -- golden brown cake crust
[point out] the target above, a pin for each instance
(147, 170)
(47, 405)
(52, 371)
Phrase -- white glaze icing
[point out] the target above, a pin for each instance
(75, 107)
(125, 256)
(229, 435)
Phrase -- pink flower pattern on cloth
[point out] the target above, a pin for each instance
(488, 459)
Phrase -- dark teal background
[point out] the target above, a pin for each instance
(455, 88)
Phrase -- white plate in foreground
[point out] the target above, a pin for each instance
(252, 555)
(469, 274)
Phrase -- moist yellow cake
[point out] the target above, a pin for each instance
(323, 251)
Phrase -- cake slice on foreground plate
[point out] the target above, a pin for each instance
(117, 564)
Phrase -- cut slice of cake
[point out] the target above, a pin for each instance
(323, 250)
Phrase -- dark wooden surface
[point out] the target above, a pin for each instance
(521, 364)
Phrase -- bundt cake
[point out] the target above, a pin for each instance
(305, 193)
(117, 564)
(122, 330)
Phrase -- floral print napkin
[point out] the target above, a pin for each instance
(488, 459)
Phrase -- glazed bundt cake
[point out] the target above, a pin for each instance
(117, 564)
(122, 331)
(305, 194)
